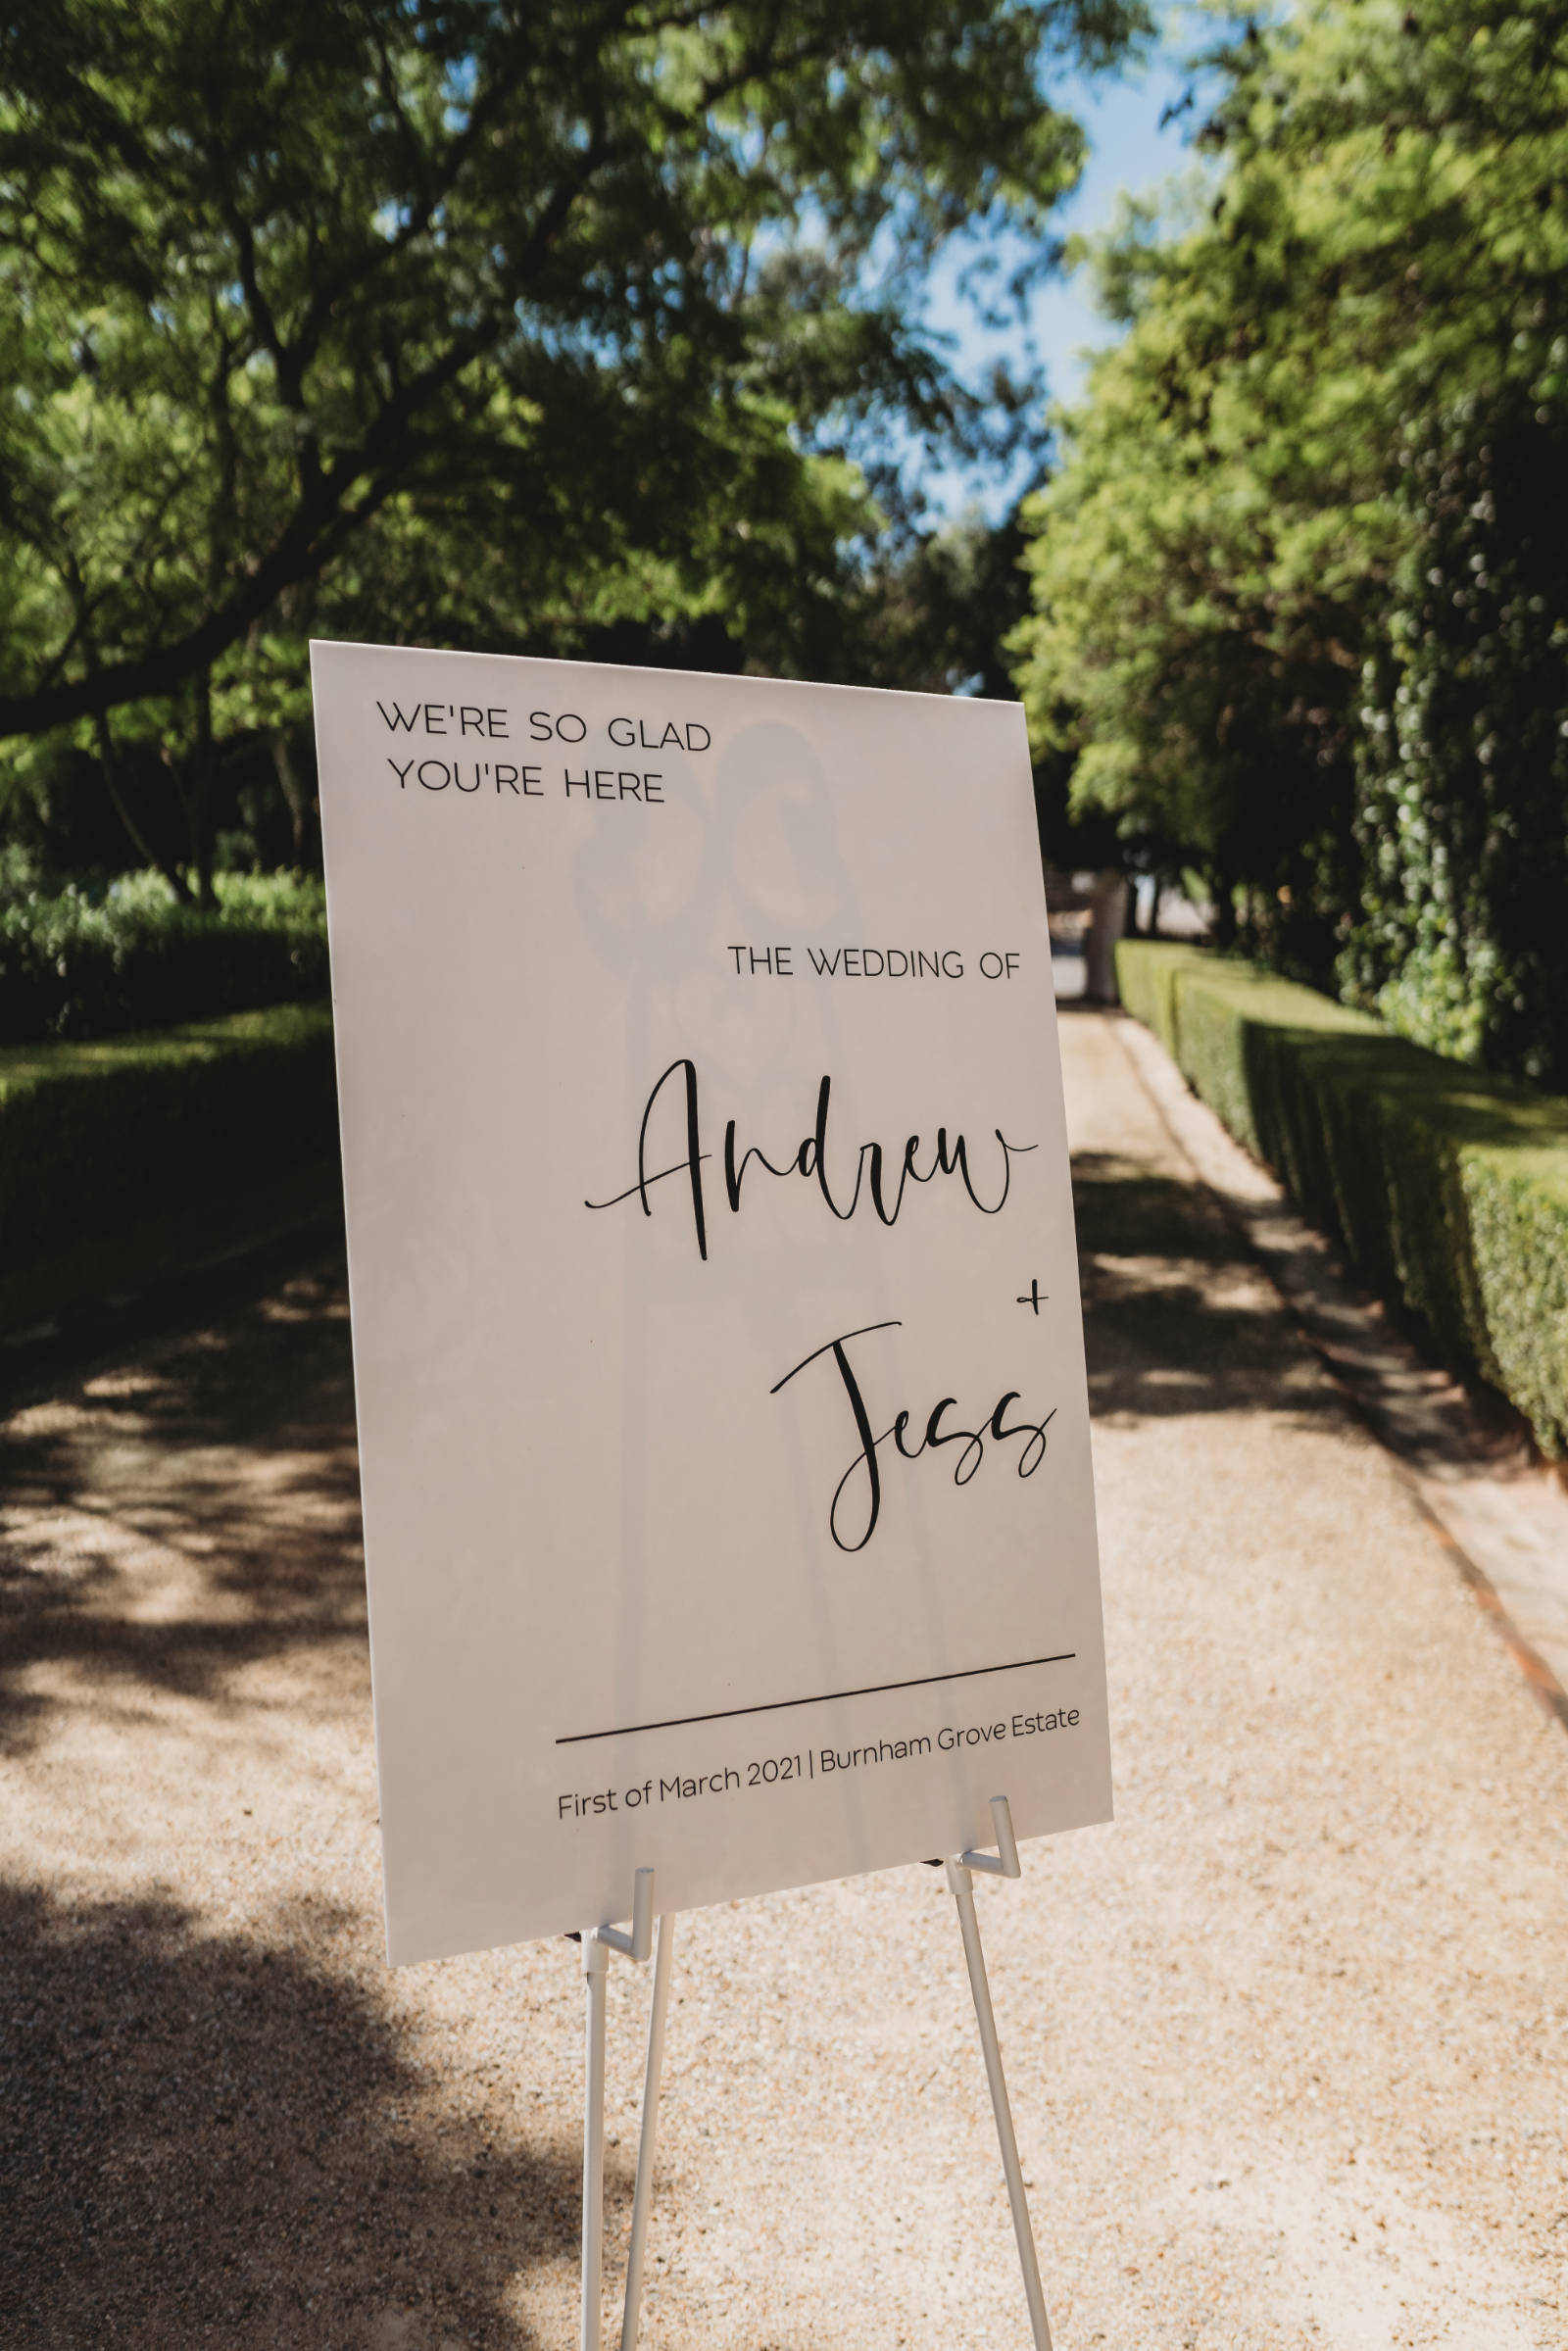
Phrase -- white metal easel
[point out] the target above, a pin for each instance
(597, 1945)
(600, 1942)
(1004, 1863)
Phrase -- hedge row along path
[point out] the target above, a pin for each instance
(123, 1158)
(1285, 2043)
(1447, 1189)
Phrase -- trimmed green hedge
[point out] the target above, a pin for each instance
(1447, 1189)
(93, 1136)
(75, 965)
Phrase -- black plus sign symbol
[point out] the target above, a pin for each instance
(1031, 1298)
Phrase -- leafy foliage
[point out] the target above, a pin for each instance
(72, 965)
(460, 319)
(1448, 1191)
(1382, 238)
(1463, 792)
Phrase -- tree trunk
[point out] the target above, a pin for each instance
(199, 804)
(1223, 891)
(292, 789)
(109, 768)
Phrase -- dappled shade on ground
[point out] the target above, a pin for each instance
(172, 1521)
(1176, 1320)
(218, 2136)
(1285, 2043)
(217, 2127)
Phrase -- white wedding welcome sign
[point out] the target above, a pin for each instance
(722, 1412)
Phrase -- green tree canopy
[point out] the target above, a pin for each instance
(1380, 240)
(583, 282)
(473, 320)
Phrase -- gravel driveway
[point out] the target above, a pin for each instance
(1285, 2043)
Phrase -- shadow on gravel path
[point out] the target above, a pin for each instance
(221, 2122)
(183, 2151)
(168, 1522)
(1286, 2043)
(1177, 1319)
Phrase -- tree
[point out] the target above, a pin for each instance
(574, 295)
(1202, 713)
(1220, 560)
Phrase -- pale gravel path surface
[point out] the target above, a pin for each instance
(1287, 2043)
(1465, 1455)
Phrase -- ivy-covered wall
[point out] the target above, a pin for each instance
(1462, 808)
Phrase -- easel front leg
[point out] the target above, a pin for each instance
(962, 1890)
(597, 1945)
(647, 2145)
(595, 1968)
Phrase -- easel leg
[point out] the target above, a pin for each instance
(595, 1968)
(643, 2195)
(962, 1891)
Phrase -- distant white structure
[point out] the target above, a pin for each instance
(1107, 921)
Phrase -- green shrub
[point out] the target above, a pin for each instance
(1447, 1189)
(77, 963)
(95, 1135)
(1462, 810)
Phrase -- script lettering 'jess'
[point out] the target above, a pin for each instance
(933, 1436)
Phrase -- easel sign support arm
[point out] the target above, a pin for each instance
(1005, 1861)
(1003, 1864)
(639, 1943)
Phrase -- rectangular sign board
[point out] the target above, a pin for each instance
(722, 1415)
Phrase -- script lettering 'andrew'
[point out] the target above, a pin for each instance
(811, 1163)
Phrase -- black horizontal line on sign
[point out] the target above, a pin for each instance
(823, 1698)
